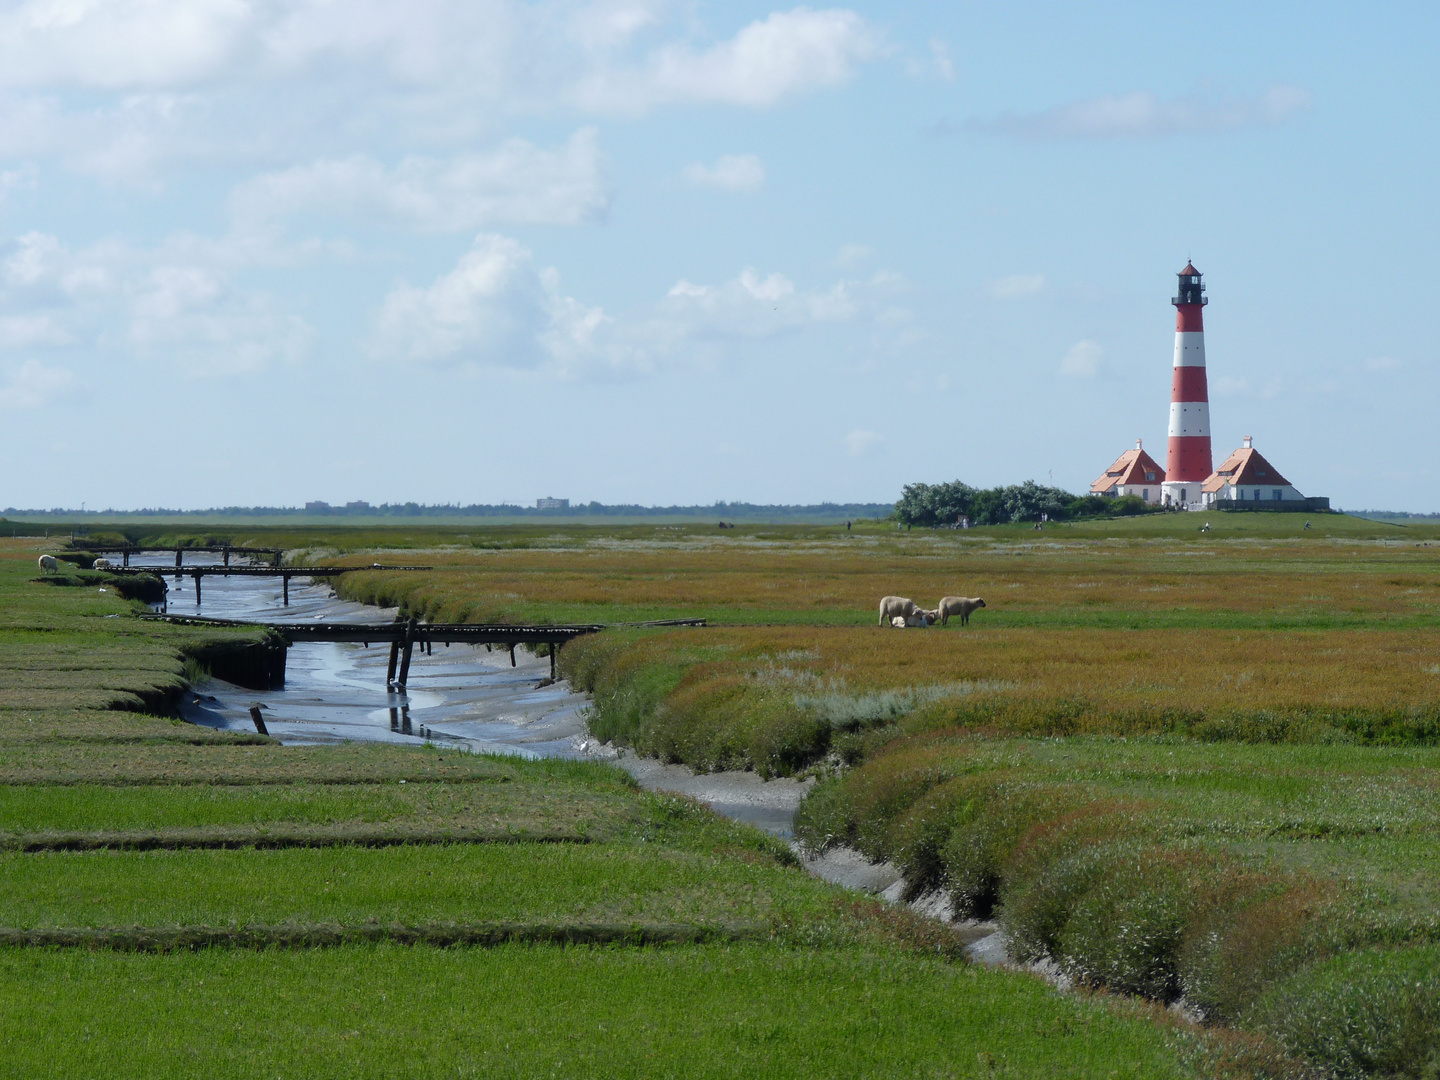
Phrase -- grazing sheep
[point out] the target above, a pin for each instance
(102, 564)
(891, 606)
(958, 605)
(898, 622)
(48, 564)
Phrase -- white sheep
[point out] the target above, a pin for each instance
(958, 605)
(48, 564)
(921, 618)
(898, 621)
(890, 606)
(102, 564)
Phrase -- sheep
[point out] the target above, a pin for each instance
(48, 564)
(958, 605)
(898, 622)
(890, 606)
(102, 564)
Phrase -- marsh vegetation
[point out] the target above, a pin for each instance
(371, 910)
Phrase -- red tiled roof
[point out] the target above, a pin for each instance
(1189, 269)
(1244, 468)
(1128, 471)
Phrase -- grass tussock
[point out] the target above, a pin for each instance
(1164, 869)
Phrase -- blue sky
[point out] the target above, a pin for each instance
(484, 251)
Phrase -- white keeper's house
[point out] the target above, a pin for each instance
(1134, 473)
(1246, 477)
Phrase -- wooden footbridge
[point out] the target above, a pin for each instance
(284, 573)
(224, 550)
(405, 635)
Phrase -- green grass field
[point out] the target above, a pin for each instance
(176, 901)
(526, 1011)
(1176, 764)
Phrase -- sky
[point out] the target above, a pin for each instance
(483, 251)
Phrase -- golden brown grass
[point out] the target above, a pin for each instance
(835, 581)
(734, 696)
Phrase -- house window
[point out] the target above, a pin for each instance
(1257, 494)
(1145, 494)
(1150, 477)
(1275, 495)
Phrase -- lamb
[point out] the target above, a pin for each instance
(102, 564)
(958, 605)
(48, 564)
(891, 606)
(921, 618)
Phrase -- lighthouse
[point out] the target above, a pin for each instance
(1187, 460)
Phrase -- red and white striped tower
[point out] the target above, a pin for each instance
(1187, 462)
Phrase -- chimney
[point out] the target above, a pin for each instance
(1137, 444)
(1247, 441)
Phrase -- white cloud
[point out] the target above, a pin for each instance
(1017, 285)
(1381, 363)
(752, 306)
(517, 184)
(787, 53)
(138, 43)
(176, 302)
(33, 386)
(120, 90)
(1143, 115)
(191, 316)
(24, 331)
(494, 308)
(732, 172)
(858, 442)
(1083, 360)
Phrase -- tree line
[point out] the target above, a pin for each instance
(945, 504)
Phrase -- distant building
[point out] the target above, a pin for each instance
(1245, 476)
(552, 504)
(1134, 473)
(319, 506)
(359, 504)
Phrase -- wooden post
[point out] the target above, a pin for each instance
(552, 661)
(259, 720)
(177, 564)
(394, 718)
(285, 588)
(394, 659)
(197, 588)
(227, 554)
(409, 648)
(126, 556)
(512, 654)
